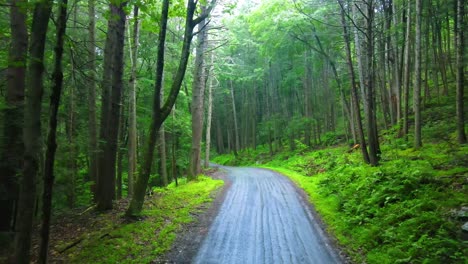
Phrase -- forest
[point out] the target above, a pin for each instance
(112, 112)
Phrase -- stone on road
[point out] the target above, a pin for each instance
(263, 219)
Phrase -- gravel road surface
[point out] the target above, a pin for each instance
(264, 219)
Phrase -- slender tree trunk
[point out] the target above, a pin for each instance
(13, 115)
(407, 72)
(162, 150)
(417, 78)
(460, 48)
(71, 157)
(92, 127)
(173, 152)
(354, 92)
(51, 138)
(132, 131)
(210, 112)
(396, 94)
(32, 131)
(234, 115)
(360, 58)
(198, 96)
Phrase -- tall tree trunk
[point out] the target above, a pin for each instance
(162, 150)
(407, 72)
(396, 88)
(460, 60)
(111, 107)
(417, 78)
(372, 136)
(354, 91)
(13, 116)
(234, 115)
(121, 150)
(92, 127)
(360, 56)
(32, 131)
(71, 159)
(198, 98)
(210, 112)
(161, 113)
(132, 130)
(51, 138)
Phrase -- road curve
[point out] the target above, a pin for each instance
(263, 219)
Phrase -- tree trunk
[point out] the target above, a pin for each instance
(111, 107)
(51, 138)
(460, 48)
(360, 57)
(417, 78)
(132, 130)
(210, 112)
(372, 136)
(92, 127)
(160, 113)
(198, 96)
(407, 72)
(13, 116)
(32, 131)
(354, 92)
(234, 116)
(162, 151)
(120, 151)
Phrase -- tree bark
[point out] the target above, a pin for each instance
(51, 139)
(372, 133)
(92, 127)
(234, 116)
(111, 107)
(210, 112)
(407, 72)
(162, 150)
(13, 116)
(460, 48)
(198, 98)
(417, 78)
(132, 131)
(32, 131)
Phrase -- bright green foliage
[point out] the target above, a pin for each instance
(396, 213)
(144, 240)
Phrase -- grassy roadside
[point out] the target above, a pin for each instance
(403, 211)
(120, 241)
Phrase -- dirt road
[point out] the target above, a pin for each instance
(263, 219)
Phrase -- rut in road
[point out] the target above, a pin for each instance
(264, 220)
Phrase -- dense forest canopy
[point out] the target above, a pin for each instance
(103, 100)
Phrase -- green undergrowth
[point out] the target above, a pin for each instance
(399, 212)
(144, 240)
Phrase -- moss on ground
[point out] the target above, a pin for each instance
(144, 240)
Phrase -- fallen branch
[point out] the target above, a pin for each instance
(76, 242)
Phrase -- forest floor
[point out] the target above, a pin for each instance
(170, 229)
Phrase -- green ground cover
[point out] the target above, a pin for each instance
(399, 212)
(144, 240)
